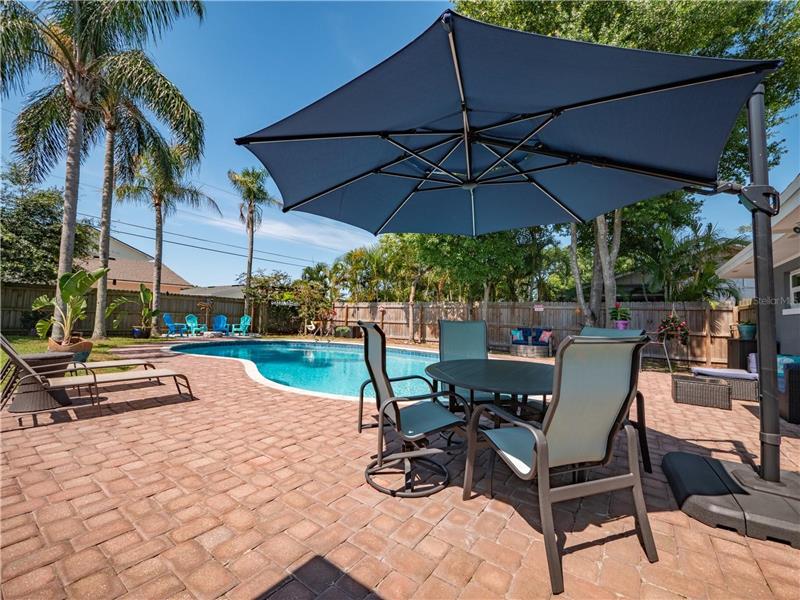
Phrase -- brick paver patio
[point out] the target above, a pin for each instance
(248, 491)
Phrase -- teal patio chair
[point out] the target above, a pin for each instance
(172, 326)
(641, 422)
(414, 420)
(220, 324)
(193, 325)
(462, 340)
(594, 385)
(242, 327)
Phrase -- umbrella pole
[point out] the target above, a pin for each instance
(765, 291)
(762, 504)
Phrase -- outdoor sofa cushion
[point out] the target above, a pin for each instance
(518, 336)
(725, 373)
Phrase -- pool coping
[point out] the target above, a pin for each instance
(252, 371)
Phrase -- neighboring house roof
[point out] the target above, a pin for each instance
(136, 271)
(216, 291)
(785, 242)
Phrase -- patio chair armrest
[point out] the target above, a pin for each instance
(444, 393)
(410, 377)
(50, 368)
(42, 379)
(539, 456)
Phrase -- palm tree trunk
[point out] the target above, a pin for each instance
(157, 263)
(249, 275)
(69, 219)
(105, 235)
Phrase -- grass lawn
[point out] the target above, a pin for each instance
(101, 351)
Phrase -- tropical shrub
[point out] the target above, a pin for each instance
(69, 304)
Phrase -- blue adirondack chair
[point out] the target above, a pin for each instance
(172, 326)
(194, 326)
(243, 326)
(220, 324)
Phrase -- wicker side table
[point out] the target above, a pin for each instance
(701, 391)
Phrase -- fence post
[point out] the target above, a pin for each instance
(421, 323)
(411, 322)
(707, 328)
(347, 315)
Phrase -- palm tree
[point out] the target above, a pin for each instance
(131, 88)
(250, 183)
(162, 185)
(73, 42)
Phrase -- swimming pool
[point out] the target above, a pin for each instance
(329, 368)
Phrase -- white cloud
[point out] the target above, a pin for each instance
(306, 230)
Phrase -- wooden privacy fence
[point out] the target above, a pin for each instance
(710, 326)
(16, 316)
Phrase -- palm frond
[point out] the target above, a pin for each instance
(23, 48)
(193, 197)
(135, 76)
(135, 134)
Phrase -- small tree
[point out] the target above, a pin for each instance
(266, 288)
(312, 303)
(69, 304)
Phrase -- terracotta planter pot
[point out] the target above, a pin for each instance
(78, 346)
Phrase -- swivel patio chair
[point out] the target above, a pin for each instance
(173, 327)
(241, 327)
(593, 388)
(641, 422)
(193, 325)
(413, 424)
(220, 324)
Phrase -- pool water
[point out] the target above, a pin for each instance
(320, 367)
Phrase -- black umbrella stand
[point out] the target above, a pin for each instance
(763, 504)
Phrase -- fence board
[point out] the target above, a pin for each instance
(710, 326)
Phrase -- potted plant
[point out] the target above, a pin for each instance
(620, 316)
(69, 307)
(148, 313)
(747, 330)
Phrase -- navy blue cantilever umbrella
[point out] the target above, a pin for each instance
(473, 128)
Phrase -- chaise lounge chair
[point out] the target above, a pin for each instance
(91, 380)
(594, 386)
(424, 416)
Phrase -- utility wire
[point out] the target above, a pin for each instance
(148, 237)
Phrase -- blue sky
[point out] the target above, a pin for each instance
(246, 66)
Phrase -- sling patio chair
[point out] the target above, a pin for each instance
(641, 422)
(423, 417)
(91, 380)
(593, 388)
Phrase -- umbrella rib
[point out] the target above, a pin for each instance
(523, 173)
(423, 159)
(360, 176)
(336, 136)
(632, 94)
(448, 25)
(517, 146)
(597, 161)
(538, 186)
(405, 200)
(417, 178)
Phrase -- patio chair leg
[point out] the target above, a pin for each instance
(409, 476)
(641, 427)
(492, 458)
(549, 533)
(469, 469)
(642, 522)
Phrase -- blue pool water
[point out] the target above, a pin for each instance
(319, 367)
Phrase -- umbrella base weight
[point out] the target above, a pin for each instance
(731, 496)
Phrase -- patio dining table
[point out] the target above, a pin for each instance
(518, 379)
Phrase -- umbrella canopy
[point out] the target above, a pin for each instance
(473, 128)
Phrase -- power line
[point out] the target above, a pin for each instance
(148, 237)
(199, 239)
